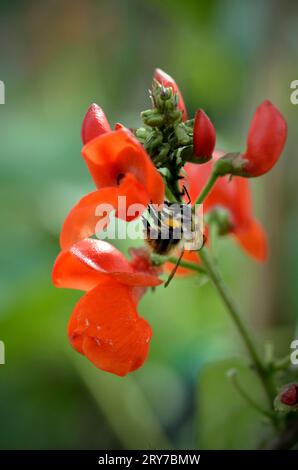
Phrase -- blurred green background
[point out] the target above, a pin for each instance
(56, 58)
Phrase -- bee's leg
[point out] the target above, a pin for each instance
(187, 194)
(175, 269)
(145, 222)
(156, 215)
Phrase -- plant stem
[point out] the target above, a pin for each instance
(232, 308)
(287, 439)
(232, 375)
(160, 259)
(281, 364)
(169, 195)
(207, 188)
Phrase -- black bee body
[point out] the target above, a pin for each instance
(166, 232)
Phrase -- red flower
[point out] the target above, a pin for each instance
(289, 396)
(105, 325)
(265, 141)
(167, 81)
(119, 166)
(234, 197)
(94, 123)
(204, 137)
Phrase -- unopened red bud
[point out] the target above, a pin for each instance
(204, 137)
(265, 141)
(289, 396)
(94, 124)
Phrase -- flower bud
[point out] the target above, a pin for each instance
(289, 395)
(265, 141)
(204, 137)
(152, 118)
(182, 135)
(94, 123)
(167, 81)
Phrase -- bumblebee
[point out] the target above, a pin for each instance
(169, 229)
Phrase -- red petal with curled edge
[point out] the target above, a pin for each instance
(84, 264)
(113, 155)
(164, 79)
(89, 215)
(107, 329)
(204, 137)
(89, 261)
(266, 139)
(94, 123)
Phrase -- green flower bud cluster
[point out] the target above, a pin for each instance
(167, 139)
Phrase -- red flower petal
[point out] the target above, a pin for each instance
(164, 79)
(83, 220)
(253, 240)
(115, 154)
(89, 260)
(70, 273)
(266, 139)
(94, 124)
(106, 328)
(84, 264)
(204, 137)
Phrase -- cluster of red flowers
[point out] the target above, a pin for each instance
(105, 325)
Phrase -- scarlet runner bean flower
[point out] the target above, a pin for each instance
(204, 137)
(119, 166)
(233, 198)
(105, 325)
(229, 201)
(94, 124)
(265, 142)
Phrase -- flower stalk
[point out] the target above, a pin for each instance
(233, 310)
(206, 189)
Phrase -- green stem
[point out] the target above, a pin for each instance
(281, 364)
(207, 188)
(232, 375)
(169, 195)
(244, 332)
(160, 259)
